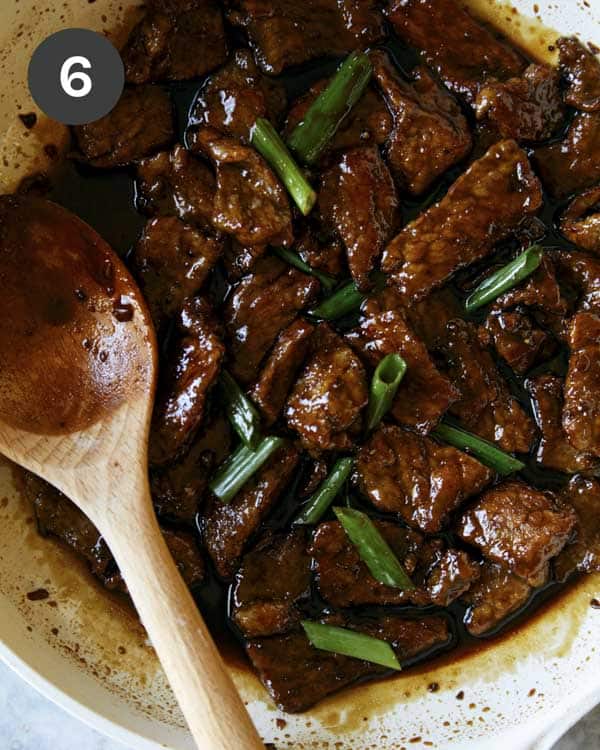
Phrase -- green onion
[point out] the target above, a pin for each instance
(350, 643)
(311, 136)
(327, 282)
(318, 503)
(386, 380)
(374, 551)
(240, 466)
(485, 451)
(267, 142)
(242, 414)
(346, 299)
(505, 278)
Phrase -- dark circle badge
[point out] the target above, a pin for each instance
(76, 76)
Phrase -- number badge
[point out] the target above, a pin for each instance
(76, 76)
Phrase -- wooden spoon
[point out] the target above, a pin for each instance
(77, 378)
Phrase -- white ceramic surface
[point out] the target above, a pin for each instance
(82, 650)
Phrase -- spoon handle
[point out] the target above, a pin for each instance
(208, 698)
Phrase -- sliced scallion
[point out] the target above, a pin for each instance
(351, 643)
(485, 451)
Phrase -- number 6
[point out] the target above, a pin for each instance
(67, 78)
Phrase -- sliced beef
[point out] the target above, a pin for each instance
(519, 527)
(250, 203)
(140, 123)
(583, 552)
(184, 550)
(554, 449)
(439, 575)
(327, 400)
(234, 97)
(279, 372)
(482, 207)
(429, 134)
(175, 41)
(297, 675)
(572, 164)
(358, 200)
(541, 292)
(239, 260)
(417, 478)
(229, 527)
(486, 406)
(497, 595)
(179, 488)
(175, 183)
(284, 32)
(430, 316)
(580, 223)
(368, 123)
(193, 366)
(324, 252)
(580, 278)
(581, 69)
(527, 108)
(260, 306)
(272, 579)
(581, 413)
(517, 339)
(463, 52)
(171, 261)
(424, 394)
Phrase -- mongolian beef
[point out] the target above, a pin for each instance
(369, 238)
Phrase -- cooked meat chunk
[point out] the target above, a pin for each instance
(272, 579)
(554, 449)
(581, 413)
(184, 550)
(580, 275)
(416, 477)
(581, 69)
(193, 367)
(234, 97)
(277, 376)
(297, 675)
(527, 108)
(139, 124)
(175, 183)
(229, 527)
(440, 575)
(519, 527)
(239, 260)
(260, 306)
(358, 200)
(516, 338)
(250, 202)
(429, 134)
(541, 292)
(180, 41)
(572, 164)
(326, 403)
(486, 406)
(583, 553)
(463, 52)
(430, 316)
(324, 253)
(482, 207)
(424, 394)
(171, 262)
(580, 223)
(497, 595)
(179, 488)
(284, 32)
(368, 123)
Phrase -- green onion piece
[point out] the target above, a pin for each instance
(350, 643)
(318, 503)
(327, 282)
(233, 474)
(374, 551)
(485, 451)
(386, 380)
(505, 278)
(345, 300)
(267, 142)
(242, 414)
(311, 136)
